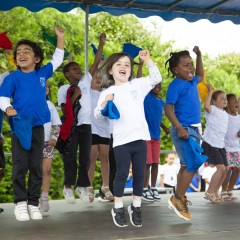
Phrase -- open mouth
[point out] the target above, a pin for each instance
(122, 72)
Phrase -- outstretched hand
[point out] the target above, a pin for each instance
(59, 31)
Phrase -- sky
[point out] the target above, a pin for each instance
(212, 38)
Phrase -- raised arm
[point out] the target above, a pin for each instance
(199, 64)
(59, 52)
(60, 37)
(98, 56)
(207, 102)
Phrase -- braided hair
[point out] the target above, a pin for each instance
(173, 61)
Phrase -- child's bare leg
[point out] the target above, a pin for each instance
(147, 175)
(184, 179)
(233, 179)
(216, 178)
(103, 155)
(225, 182)
(93, 159)
(154, 174)
(46, 172)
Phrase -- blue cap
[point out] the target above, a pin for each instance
(131, 49)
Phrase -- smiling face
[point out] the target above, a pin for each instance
(220, 101)
(121, 70)
(25, 58)
(73, 74)
(185, 68)
(232, 105)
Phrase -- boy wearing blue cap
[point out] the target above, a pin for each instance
(27, 89)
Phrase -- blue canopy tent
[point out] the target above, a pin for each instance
(191, 10)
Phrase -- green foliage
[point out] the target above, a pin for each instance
(223, 72)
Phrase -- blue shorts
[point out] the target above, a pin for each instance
(192, 131)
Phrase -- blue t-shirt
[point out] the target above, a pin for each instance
(153, 108)
(185, 98)
(28, 93)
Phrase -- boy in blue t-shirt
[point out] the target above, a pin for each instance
(153, 107)
(27, 89)
(184, 112)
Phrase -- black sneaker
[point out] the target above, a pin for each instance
(135, 214)
(119, 217)
(147, 196)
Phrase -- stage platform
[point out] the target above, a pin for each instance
(94, 221)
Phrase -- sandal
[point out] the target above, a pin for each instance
(225, 196)
(230, 194)
(213, 197)
(106, 194)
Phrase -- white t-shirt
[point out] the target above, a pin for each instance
(170, 174)
(128, 98)
(207, 174)
(216, 127)
(55, 120)
(231, 139)
(101, 126)
(85, 101)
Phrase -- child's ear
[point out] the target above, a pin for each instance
(37, 59)
(175, 70)
(110, 72)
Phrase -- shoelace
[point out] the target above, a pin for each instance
(137, 213)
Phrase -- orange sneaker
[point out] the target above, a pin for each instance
(180, 207)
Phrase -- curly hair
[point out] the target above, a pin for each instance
(38, 51)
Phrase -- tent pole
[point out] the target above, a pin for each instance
(86, 38)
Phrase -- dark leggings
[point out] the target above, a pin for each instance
(135, 152)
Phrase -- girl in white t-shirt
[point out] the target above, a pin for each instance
(213, 140)
(130, 131)
(100, 140)
(232, 147)
(51, 133)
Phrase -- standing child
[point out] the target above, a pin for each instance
(153, 108)
(130, 131)
(184, 112)
(213, 140)
(232, 147)
(168, 172)
(51, 133)
(81, 135)
(26, 87)
(100, 140)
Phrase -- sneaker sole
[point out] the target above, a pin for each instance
(130, 217)
(172, 207)
(112, 212)
(148, 200)
(100, 199)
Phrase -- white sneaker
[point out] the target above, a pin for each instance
(21, 212)
(34, 212)
(85, 194)
(69, 195)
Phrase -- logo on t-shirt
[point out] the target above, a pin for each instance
(134, 95)
(42, 81)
